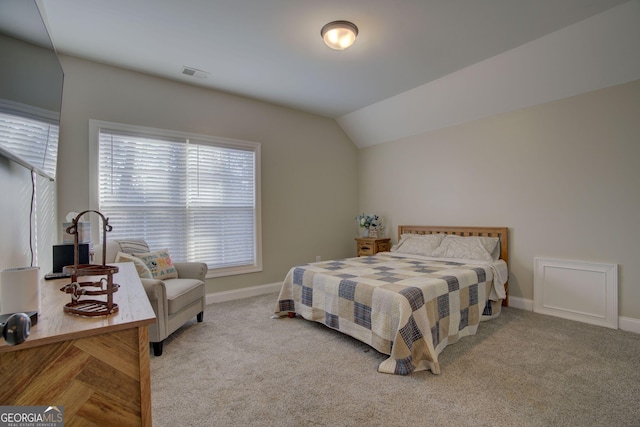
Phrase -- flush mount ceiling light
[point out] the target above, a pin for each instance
(339, 35)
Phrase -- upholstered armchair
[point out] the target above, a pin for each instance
(175, 300)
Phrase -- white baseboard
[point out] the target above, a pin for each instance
(629, 324)
(624, 323)
(521, 303)
(235, 294)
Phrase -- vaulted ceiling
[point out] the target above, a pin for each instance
(271, 50)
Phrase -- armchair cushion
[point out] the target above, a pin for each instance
(132, 246)
(182, 292)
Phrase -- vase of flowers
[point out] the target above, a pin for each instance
(367, 223)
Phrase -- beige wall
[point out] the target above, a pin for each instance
(562, 176)
(309, 166)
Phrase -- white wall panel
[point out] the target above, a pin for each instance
(576, 290)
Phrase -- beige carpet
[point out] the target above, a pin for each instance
(241, 368)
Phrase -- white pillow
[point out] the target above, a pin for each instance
(418, 244)
(141, 267)
(469, 247)
(497, 251)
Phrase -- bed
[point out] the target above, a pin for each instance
(434, 287)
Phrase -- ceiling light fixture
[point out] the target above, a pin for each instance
(339, 35)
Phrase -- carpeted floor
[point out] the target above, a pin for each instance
(242, 368)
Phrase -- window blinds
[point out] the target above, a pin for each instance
(196, 198)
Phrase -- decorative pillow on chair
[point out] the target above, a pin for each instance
(141, 267)
(160, 264)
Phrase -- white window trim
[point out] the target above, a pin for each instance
(94, 130)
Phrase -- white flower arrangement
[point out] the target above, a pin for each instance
(367, 221)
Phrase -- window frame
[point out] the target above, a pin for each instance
(94, 133)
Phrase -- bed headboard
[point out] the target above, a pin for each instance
(500, 232)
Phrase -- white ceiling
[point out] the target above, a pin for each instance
(271, 49)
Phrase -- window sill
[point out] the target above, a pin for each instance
(233, 271)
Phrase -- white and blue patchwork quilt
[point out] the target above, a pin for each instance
(409, 307)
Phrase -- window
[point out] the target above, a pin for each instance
(196, 195)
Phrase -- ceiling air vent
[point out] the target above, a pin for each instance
(194, 72)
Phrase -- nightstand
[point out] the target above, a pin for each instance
(372, 245)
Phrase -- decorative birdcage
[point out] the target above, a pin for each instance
(104, 285)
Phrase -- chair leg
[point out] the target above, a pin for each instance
(200, 317)
(157, 348)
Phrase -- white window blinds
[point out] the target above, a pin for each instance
(196, 196)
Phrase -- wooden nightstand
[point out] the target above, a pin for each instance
(372, 245)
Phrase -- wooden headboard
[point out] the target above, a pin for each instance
(500, 232)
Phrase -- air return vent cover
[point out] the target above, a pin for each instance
(194, 72)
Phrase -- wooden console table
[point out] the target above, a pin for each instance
(96, 368)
